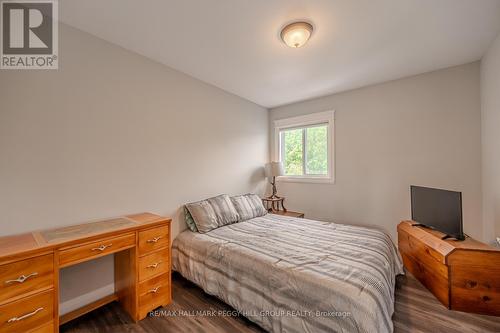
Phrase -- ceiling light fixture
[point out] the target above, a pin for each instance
(296, 34)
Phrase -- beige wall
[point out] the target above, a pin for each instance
(113, 133)
(490, 115)
(422, 130)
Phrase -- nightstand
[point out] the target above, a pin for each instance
(288, 213)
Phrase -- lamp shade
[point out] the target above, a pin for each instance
(274, 169)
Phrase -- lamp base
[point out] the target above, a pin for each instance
(274, 195)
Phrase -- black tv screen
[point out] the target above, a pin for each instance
(438, 209)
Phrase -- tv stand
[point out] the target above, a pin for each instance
(414, 224)
(452, 238)
(463, 275)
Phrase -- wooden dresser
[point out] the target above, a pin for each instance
(30, 263)
(463, 275)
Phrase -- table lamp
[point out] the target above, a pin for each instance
(273, 170)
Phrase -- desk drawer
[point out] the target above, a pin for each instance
(49, 328)
(154, 264)
(26, 276)
(25, 314)
(153, 293)
(153, 239)
(96, 249)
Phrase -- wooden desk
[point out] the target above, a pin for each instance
(30, 263)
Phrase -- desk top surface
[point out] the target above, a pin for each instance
(58, 237)
(81, 230)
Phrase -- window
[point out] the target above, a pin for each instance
(305, 146)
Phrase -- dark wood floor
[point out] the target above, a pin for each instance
(416, 311)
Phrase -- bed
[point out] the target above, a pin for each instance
(296, 275)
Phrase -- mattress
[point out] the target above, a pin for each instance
(296, 275)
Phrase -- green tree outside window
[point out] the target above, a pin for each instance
(304, 151)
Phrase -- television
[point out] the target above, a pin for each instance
(438, 209)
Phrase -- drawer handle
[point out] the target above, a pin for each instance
(14, 319)
(154, 240)
(22, 278)
(155, 290)
(102, 247)
(154, 266)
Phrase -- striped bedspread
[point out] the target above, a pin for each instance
(296, 275)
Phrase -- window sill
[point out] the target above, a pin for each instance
(311, 180)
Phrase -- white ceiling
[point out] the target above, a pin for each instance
(235, 45)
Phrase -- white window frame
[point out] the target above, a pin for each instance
(326, 117)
